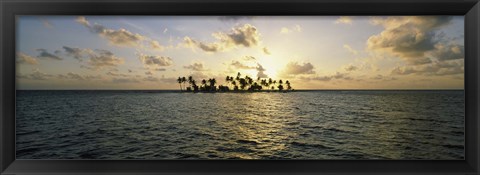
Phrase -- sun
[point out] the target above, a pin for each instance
(272, 67)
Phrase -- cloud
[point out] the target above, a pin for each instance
(286, 30)
(235, 18)
(344, 20)
(293, 68)
(336, 76)
(148, 73)
(36, 75)
(74, 76)
(120, 37)
(160, 69)
(170, 80)
(103, 58)
(199, 75)
(151, 78)
(239, 65)
(156, 45)
(46, 23)
(46, 55)
(409, 38)
(116, 74)
(155, 61)
(350, 68)
(350, 49)
(438, 68)
(195, 67)
(249, 58)
(448, 52)
(384, 78)
(261, 71)
(25, 59)
(266, 51)
(114, 70)
(96, 59)
(82, 20)
(162, 79)
(125, 80)
(76, 53)
(245, 36)
(210, 47)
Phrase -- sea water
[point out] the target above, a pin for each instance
(295, 125)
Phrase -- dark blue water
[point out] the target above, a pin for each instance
(297, 125)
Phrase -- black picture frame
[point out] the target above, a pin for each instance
(11, 8)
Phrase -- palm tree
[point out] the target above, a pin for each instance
(212, 83)
(250, 81)
(227, 80)
(194, 85)
(288, 85)
(238, 76)
(179, 80)
(264, 83)
(280, 87)
(190, 79)
(204, 83)
(184, 80)
(235, 87)
(243, 83)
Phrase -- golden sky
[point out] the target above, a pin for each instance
(312, 52)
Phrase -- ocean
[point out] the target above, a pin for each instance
(296, 125)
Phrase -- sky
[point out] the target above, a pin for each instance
(312, 52)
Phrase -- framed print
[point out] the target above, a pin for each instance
(187, 87)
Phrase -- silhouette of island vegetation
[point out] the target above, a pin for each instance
(235, 84)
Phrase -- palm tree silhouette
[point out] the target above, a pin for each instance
(288, 85)
(212, 84)
(179, 80)
(246, 83)
(204, 83)
(243, 83)
(184, 80)
(280, 86)
(238, 76)
(227, 80)
(190, 79)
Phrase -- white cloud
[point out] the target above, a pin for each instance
(196, 67)
(293, 68)
(409, 38)
(121, 37)
(245, 36)
(286, 30)
(344, 20)
(350, 49)
(23, 58)
(154, 61)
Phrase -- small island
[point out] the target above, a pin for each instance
(235, 84)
